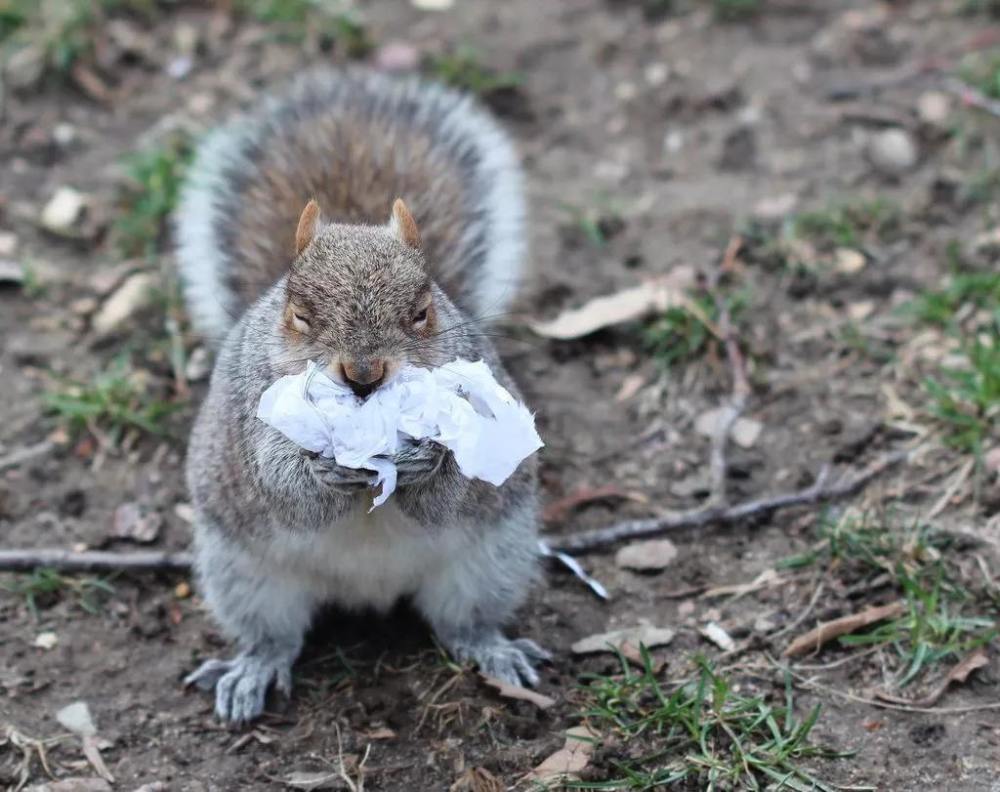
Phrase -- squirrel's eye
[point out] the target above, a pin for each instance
(300, 322)
(420, 318)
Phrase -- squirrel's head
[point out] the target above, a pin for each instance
(359, 298)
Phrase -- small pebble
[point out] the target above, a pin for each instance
(892, 151)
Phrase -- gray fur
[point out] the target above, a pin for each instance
(279, 533)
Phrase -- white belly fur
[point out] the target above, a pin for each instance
(366, 560)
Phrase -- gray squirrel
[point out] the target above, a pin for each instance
(289, 252)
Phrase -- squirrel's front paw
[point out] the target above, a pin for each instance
(416, 462)
(330, 474)
(512, 661)
(241, 684)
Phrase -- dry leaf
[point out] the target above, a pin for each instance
(644, 634)
(477, 779)
(824, 633)
(717, 635)
(382, 733)
(76, 717)
(301, 779)
(645, 556)
(624, 306)
(630, 386)
(569, 760)
(959, 673)
(510, 691)
(72, 785)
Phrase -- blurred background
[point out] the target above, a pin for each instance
(811, 183)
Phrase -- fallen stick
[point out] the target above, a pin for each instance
(22, 455)
(656, 526)
(92, 561)
(818, 637)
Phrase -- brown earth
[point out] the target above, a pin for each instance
(673, 131)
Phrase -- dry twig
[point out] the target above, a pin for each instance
(818, 492)
(91, 560)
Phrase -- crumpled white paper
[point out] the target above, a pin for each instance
(459, 405)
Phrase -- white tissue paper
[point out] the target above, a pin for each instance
(459, 405)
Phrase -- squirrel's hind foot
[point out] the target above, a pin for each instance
(241, 684)
(512, 661)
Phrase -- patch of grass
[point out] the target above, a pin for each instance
(703, 732)
(937, 625)
(334, 24)
(680, 335)
(116, 400)
(930, 632)
(966, 399)
(848, 224)
(43, 587)
(981, 70)
(154, 181)
(733, 10)
(939, 307)
(463, 68)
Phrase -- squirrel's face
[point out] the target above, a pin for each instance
(359, 299)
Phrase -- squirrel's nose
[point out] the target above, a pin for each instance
(363, 376)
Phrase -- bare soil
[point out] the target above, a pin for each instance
(672, 131)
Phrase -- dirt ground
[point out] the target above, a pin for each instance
(650, 139)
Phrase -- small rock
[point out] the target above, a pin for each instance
(673, 141)
(647, 556)
(46, 640)
(432, 5)
(11, 272)
(656, 74)
(64, 134)
(397, 56)
(848, 261)
(136, 522)
(182, 590)
(179, 67)
(64, 211)
(8, 243)
(744, 431)
(199, 365)
(934, 108)
(136, 293)
(892, 151)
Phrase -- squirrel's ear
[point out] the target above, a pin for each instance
(403, 225)
(308, 225)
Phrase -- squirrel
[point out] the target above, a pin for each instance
(291, 249)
